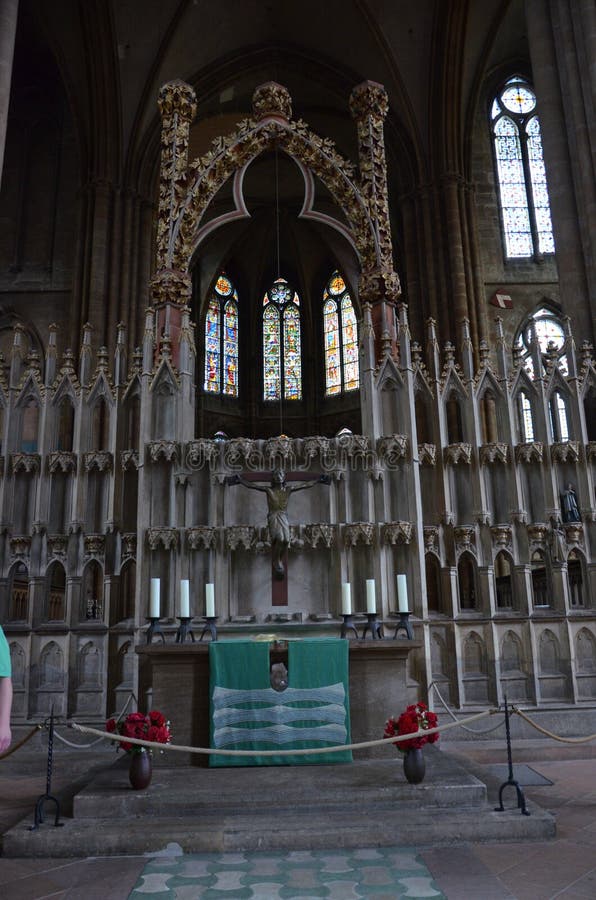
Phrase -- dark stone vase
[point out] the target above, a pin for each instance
(140, 770)
(414, 765)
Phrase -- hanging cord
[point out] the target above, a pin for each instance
(433, 684)
(68, 743)
(381, 742)
(21, 742)
(550, 734)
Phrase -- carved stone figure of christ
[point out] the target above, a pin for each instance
(278, 495)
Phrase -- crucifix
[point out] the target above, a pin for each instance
(278, 495)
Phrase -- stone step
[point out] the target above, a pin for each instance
(180, 792)
(275, 830)
(361, 804)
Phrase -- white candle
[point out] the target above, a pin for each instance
(154, 599)
(184, 599)
(371, 600)
(402, 594)
(346, 599)
(210, 600)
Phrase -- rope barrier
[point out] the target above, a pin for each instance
(550, 734)
(21, 742)
(153, 745)
(94, 743)
(447, 709)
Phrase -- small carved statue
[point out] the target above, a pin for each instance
(569, 507)
(558, 542)
(278, 495)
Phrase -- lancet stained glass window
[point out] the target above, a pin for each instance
(221, 339)
(282, 343)
(523, 192)
(340, 336)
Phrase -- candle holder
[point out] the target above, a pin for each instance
(154, 629)
(404, 625)
(376, 627)
(210, 627)
(348, 625)
(184, 630)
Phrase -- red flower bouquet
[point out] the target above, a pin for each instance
(415, 718)
(150, 727)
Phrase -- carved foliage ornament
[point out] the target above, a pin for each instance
(202, 537)
(271, 99)
(20, 546)
(163, 450)
(496, 452)
(359, 533)
(98, 459)
(464, 537)
(565, 451)
(392, 448)
(320, 534)
(57, 545)
(240, 537)
(167, 538)
(25, 462)
(129, 545)
(63, 461)
(537, 533)
(397, 532)
(201, 452)
(458, 453)
(427, 454)
(431, 537)
(529, 452)
(94, 544)
(129, 459)
(501, 535)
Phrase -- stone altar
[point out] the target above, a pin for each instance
(180, 677)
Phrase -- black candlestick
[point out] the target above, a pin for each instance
(404, 625)
(184, 630)
(348, 625)
(376, 627)
(209, 626)
(154, 629)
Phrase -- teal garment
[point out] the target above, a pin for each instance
(5, 668)
(247, 714)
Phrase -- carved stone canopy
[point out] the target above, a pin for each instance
(168, 451)
(129, 545)
(496, 452)
(322, 533)
(240, 537)
(201, 452)
(57, 545)
(359, 533)
(20, 546)
(98, 459)
(392, 448)
(565, 451)
(95, 544)
(537, 532)
(397, 533)
(168, 538)
(465, 536)
(431, 537)
(530, 452)
(25, 462)
(62, 460)
(129, 459)
(458, 453)
(501, 535)
(574, 532)
(427, 454)
(202, 537)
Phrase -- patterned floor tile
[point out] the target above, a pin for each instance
(376, 873)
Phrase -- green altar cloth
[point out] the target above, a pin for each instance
(248, 714)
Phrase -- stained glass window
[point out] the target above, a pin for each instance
(340, 338)
(550, 335)
(282, 343)
(521, 174)
(525, 418)
(221, 339)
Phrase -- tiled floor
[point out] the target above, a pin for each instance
(337, 875)
(563, 868)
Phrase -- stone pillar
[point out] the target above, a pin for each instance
(380, 285)
(562, 39)
(8, 27)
